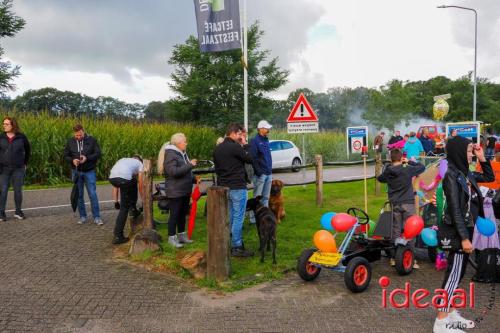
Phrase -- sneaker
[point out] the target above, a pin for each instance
(19, 215)
(240, 251)
(416, 265)
(98, 221)
(3, 217)
(172, 240)
(183, 238)
(392, 262)
(446, 326)
(120, 240)
(82, 220)
(456, 317)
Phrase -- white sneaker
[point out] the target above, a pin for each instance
(82, 220)
(172, 240)
(446, 326)
(98, 221)
(456, 317)
(183, 238)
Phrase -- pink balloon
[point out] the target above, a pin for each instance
(343, 222)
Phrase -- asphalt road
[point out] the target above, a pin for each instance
(56, 201)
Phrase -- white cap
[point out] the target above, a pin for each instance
(264, 124)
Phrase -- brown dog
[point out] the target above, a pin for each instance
(276, 200)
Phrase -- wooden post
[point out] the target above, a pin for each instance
(218, 263)
(143, 235)
(147, 199)
(378, 171)
(365, 183)
(319, 180)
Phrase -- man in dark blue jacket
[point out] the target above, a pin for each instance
(262, 164)
(427, 143)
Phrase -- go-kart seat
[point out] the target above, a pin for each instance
(383, 230)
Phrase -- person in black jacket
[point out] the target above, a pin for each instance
(82, 152)
(15, 153)
(464, 203)
(230, 157)
(178, 187)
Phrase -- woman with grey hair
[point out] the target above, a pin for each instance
(178, 188)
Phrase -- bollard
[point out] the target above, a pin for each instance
(219, 247)
(319, 180)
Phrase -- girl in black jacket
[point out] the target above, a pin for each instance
(178, 188)
(14, 156)
(464, 203)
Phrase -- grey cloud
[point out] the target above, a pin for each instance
(114, 36)
(488, 33)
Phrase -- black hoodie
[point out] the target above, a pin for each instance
(399, 181)
(15, 154)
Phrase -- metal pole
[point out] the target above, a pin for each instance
(475, 68)
(304, 159)
(245, 67)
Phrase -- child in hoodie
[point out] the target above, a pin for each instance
(399, 176)
(413, 147)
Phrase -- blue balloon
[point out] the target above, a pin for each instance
(429, 237)
(326, 220)
(485, 227)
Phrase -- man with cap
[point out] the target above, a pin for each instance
(262, 164)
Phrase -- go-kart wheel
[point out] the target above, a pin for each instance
(307, 271)
(358, 274)
(359, 214)
(432, 253)
(404, 260)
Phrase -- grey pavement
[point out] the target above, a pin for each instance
(55, 201)
(57, 276)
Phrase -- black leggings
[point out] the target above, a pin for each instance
(455, 271)
(179, 208)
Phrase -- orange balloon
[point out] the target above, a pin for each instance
(324, 241)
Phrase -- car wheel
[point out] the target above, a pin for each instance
(296, 164)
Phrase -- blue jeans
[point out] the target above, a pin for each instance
(237, 207)
(490, 153)
(16, 175)
(262, 186)
(88, 180)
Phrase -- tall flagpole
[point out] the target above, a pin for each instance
(245, 66)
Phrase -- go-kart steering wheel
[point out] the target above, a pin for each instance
(359, 214)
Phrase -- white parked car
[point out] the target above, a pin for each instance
(285, 154)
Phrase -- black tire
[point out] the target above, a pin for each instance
(358, 274)
(432, 253)
(305, 269)
(296, 164)
(404, 260)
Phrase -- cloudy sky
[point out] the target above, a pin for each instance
(120, 48)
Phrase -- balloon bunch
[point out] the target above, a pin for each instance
(323, 239)
(443, 166)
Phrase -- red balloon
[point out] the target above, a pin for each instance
(413, 226)
(343, 222)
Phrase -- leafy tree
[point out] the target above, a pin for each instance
(210, 85)
(58, 102)
(10, 24)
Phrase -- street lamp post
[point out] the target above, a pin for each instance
(475, 56)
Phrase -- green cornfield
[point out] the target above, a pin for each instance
(117, 139)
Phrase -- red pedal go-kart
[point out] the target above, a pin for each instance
(357, 251)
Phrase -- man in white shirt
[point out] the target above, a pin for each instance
(126, 175)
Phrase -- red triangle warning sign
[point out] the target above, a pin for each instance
(302, 112)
